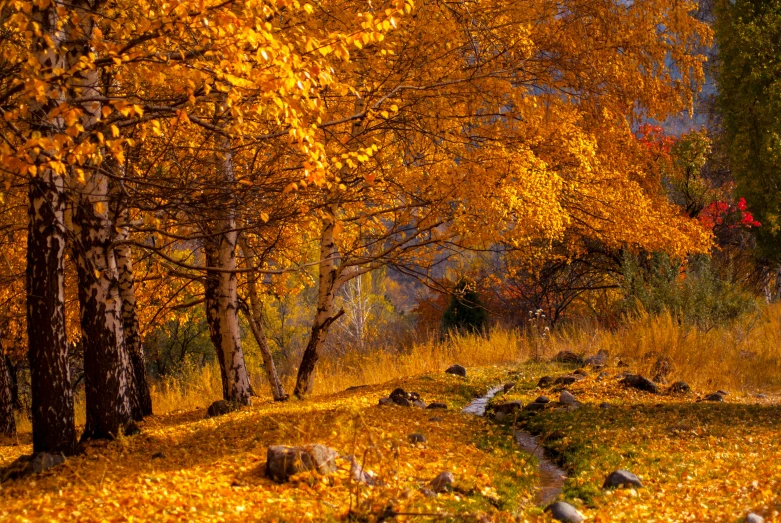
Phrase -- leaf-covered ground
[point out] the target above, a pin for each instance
(698, 461)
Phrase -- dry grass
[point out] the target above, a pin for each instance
(743, 356)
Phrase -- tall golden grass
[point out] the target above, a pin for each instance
(743, 356)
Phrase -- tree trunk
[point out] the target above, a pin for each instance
(255, 319)
(52, 399)
(222, 302)
(140, 398)
(7, 421)
(327, 287)
(106, 361)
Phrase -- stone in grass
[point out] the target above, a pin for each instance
(443, 482)
(580, 372)
(566, 380)
(435, 418)
(566, 398)
(566, 356)
(36, 463)
(715, 396)
(420, 404)
(510, 385)
(437, 405)
(599, 359)
(458, 370)
(505, 410)
(605, 405)
(602, 376)
(562, 511)
(545, 382)
(622, 479)
(679, 387)
(754, 518)
(417, 437)
(359, 474)
(220, 408)
(158, 455)
(542, 399)
(282, 461)
(534, 406)
(398, 393)
(760, 396)
(386, 402)
(722, 392)
(640, 383)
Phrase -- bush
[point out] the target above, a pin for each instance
(692, 294)
(465, 313)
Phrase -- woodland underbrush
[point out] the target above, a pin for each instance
(744, 355)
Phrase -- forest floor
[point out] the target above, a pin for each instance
(699, 461)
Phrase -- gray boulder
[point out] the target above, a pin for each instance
(420, 404)
(534, 406)
(398, 393)
(36, 463)
(282, 461)
(507, 409)
(562, 511)
(598, 360)
(360, 475)
(510, 385)
(715, 396)
(566, 356)
(386, 402)
(566, 398)
(679, 387)
(542, 399)
(567, 380)
(754, 518)
(443, 482)
(545, 382)
(417, 437)
(437, 405)
(458, 370)
(220, 408)
(621, 479)
(640, 383)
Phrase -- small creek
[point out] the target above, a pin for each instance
(551, 476)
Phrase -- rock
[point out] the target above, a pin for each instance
(562, 511)
(420, 404)
(679, 387)
(443, 482)
(508, 386)
(428, 492)
(602, 376)
(640, 383)
(219, 408)
(504, 410)
(36, 463)
(158, 455)
(605, 405)
(360, 475)
(282, 462)
(412, 396)
(566, 398)
(386, 402)
(437, 405)
(398, 393)
(417, 437)
(534, 406)
(760, 396)
(624, 375)
(715, 396)
(661, 369)
(566, 380)
(566, 356)
(580, 372)
(598, 360)
(403, 402)
(545, 382)
(621, 479)
(542, 399)
(458, 370)
(722, 392)
(435, 418)
(754, 518)
(622, 363)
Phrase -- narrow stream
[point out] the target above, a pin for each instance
(551, 476)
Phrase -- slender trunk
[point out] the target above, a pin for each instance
(52, 398)
(255, 319)
(222, 302)
(7, 421)
(324, 316)
(140, 399)
(106, 361)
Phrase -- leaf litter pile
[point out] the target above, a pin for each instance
(699, 461)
